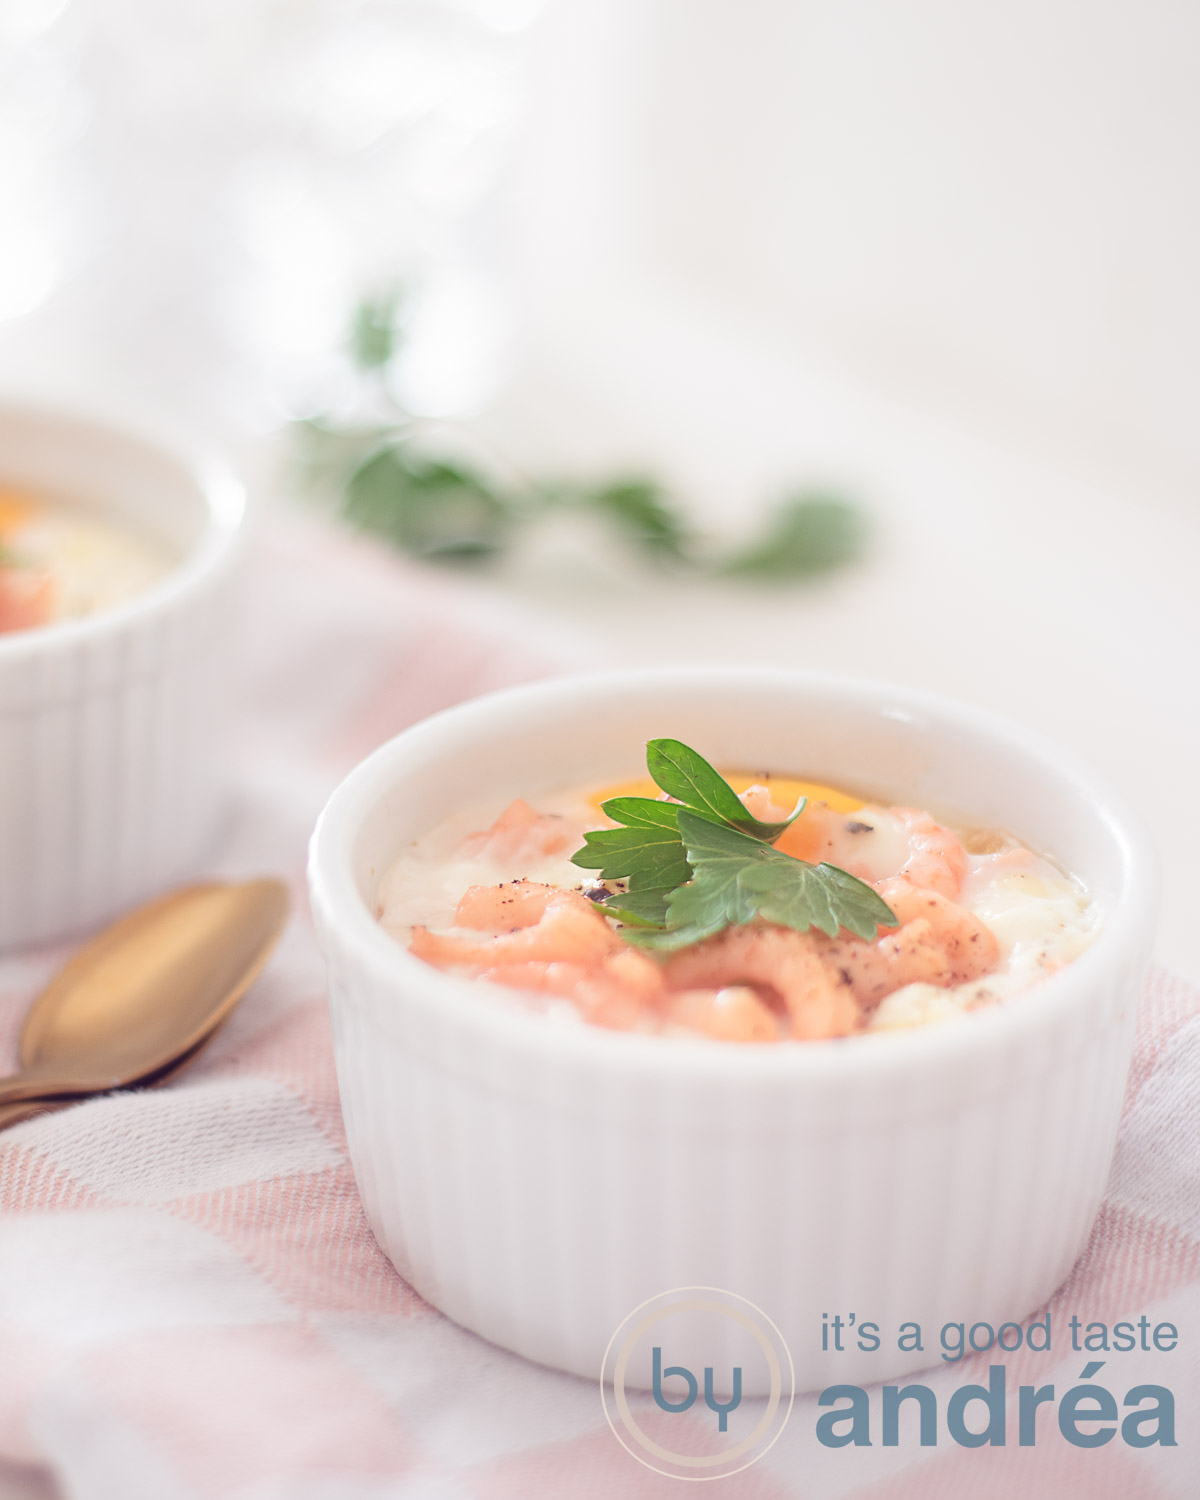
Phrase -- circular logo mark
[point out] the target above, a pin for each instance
(697, 1383)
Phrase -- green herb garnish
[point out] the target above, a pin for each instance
(647, 852)
(373, 331)
(639, 510)
(393, 476)
(439, 511)
(736, 878)
(702, 863)
(811, 533)
(690, 779)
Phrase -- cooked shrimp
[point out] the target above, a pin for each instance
(634, 972)
(543, 977)
(938, 861)
(550, 941)
(569, 930)
(758, 802)
(520, 832)
(870, 971)
(938, 942)
(971, 947)
(619, 991)
(733, 1014)
(26, 598)
(783, 962)
(519, 903)
(876, 843)
(622, 992)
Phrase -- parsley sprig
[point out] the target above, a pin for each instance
(700, 863)
(391, 475)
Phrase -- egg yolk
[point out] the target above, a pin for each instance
(785, 791)
(15, 511)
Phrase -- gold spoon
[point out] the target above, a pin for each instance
(146, 993)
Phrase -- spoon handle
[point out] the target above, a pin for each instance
(13, 1111)
(18, 1088)
(13, 1114)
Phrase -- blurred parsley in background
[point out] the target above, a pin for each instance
(452, 512)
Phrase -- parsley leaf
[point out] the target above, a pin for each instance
(743, 877)
(618, 852)
(809, 534)
(701, 863)
(449, 513)
(640, 812)
(648, 850)
(737, 878)
(642, 905)
(436, 510)
(690, 779)
(639, 508)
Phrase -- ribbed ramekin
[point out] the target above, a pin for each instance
(538, 1181)
(113, 727)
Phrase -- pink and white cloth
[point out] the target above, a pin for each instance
(192, 1305)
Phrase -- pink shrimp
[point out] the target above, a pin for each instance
(877, 843)
(938, 861)
(26, 598)
(550, 941)
(758, 802)
(519, 903)
(783, 962)
(970, 944)
(567, 929)
(619, 991)
(869, 971)
(540, 976)
(636, 974)
(520, 832)
(938, 942)
(733, 1014)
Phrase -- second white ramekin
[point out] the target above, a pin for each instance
(537, 1182)
(113, 728)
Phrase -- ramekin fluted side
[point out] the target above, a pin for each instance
(116, 740)
(538, 1200)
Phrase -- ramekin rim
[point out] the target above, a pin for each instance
(349, 924)
(225, 500)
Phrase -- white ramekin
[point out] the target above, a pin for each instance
(113, 727)
(538, 1181)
